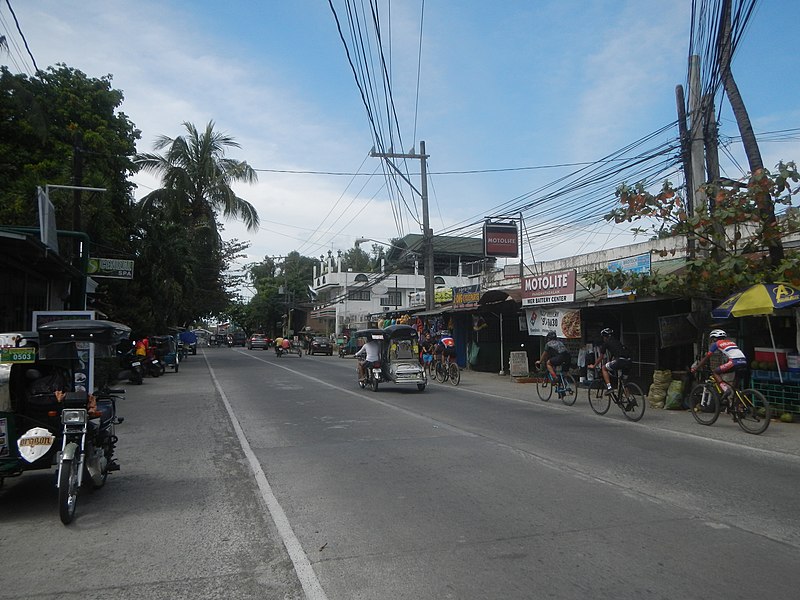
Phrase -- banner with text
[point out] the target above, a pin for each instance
(632, 264)
(550, 288)
(565, 322)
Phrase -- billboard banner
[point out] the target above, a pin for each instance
(565, 322)
(632, 264)
(551, 288)
(500, 239)
(466, 296)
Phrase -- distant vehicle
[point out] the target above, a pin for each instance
(257, 341)
(238, 338)
(321, 345)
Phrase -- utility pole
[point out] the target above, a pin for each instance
(427, 232)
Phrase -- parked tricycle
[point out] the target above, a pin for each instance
(48, 417)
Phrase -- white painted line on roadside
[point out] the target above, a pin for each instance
(305, 572)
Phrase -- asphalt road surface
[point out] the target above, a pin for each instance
(250, 476)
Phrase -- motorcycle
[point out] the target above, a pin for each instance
(131, 366)
(88, 442)
(47, 416)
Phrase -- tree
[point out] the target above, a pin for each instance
(197, 178)
(764, 205)
(723, 264)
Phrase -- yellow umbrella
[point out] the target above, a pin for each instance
(759, 299)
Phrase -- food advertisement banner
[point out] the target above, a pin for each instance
(566, 323)
(550, 288)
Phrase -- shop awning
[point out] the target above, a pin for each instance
(500, 295)
(433, 312)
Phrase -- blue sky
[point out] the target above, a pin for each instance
(503, 87)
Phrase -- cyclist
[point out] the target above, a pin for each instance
(555, 353)
(736, 359)
(445, 348)
(612, 356)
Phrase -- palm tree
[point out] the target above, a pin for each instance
(197, 179)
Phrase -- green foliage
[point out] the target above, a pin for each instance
(730, 236)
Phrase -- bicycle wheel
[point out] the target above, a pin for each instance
(570, 393)
(752, 411)
(704, 404)
(599, 400)
(544, 388)
(454, 373)
(441, 372)
(632, 401)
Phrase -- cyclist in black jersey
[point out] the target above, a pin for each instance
(613, 356)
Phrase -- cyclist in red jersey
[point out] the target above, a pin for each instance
(736, 359)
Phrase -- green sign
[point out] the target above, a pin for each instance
(117, 268)
(18, 355)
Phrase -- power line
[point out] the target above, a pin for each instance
(22, 35)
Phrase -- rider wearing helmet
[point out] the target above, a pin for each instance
(612, 356)
(736, 360)
(555, 353)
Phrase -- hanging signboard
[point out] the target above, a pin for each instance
(500, 239)
(466, 296)
(632, 264)
(565, 322)
(116, 268)
(550, 288)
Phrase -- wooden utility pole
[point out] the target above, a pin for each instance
(427, 232)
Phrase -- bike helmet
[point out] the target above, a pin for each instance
(607, 332)
(551, 335)
(717, 333)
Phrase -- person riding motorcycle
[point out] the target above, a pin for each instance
(371, 353)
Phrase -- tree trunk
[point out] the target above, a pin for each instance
(766, 207)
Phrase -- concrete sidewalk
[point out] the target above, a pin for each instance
(783, 438)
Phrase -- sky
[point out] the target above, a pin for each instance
(510, 97)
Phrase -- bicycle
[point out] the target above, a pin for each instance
(564, 385)
(447, 371)
(625, 394)
(749, 408)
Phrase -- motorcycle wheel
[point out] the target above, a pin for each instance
(374, 383)
(67, 490)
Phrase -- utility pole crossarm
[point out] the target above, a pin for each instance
(427, 232)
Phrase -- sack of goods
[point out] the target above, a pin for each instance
(657, 394)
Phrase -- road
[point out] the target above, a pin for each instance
(249, 476)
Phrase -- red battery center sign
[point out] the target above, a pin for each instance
(550, 288)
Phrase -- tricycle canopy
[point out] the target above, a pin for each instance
(104, 334)
(378, 335)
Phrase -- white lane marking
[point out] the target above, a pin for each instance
(305, 572)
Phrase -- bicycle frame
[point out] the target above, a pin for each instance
(749, 408)
(625, 394)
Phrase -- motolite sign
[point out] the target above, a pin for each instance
(550, 288)
(500, 239)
